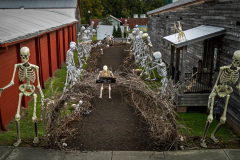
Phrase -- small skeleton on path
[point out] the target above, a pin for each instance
(181, 34)
(228, 74)
(105, 73)
(26, 71)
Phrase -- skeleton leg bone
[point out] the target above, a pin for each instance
(222, 121)
(17, 119)
(34, 119)
(101, 91)
(209, 121)
(110, 92)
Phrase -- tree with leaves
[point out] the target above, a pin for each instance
(119, 31)
(114, 32)
(118, 8)
(106, 21)
(94, 7)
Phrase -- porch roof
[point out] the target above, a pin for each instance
(195, 35)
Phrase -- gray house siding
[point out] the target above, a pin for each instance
(219, 13)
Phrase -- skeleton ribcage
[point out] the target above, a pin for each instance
(161, 71)
(230, 76)
(26, 73)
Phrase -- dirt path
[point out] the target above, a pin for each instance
(112, 124)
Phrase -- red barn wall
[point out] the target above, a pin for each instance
(66, 42)
(54, 56)
(51, 49)
(44, 57)
(10, 96)
(74, 33)
(61, 46)
(70, 33)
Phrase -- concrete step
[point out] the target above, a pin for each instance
(188, 100)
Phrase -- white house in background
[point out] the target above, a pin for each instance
(115, 21)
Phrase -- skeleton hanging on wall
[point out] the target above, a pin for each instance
(26, 71)
(105, 76)
(228, 74)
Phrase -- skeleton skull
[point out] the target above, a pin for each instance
(105, 68)
(25, 53)
(236, 58)
(157, 55)
(134, 33)
(145, 38)
(72, 45)
(80, 102)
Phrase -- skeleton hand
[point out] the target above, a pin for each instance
(1, 89)
(42, 99)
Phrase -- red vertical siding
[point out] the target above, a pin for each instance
(66, 40)
(61, 45)
(44, 57)
(70, 33)
(53, 43)
(33, 60)
(74, 32)
(10, 96)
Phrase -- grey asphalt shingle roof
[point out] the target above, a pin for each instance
(23, 24)
(33, 4)
(171, 5)
(195, 35)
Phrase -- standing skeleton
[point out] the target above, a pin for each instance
(26, 71)
(161, 69)
(72, 72)
(228, 74)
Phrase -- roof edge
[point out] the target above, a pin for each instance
(6, 44)
(155, 11)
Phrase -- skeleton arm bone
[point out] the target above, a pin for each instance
(111, 74)
(39, 86)
(12, 81)
(99, 74)
(213, 93)
(238, 85)
(153, 67)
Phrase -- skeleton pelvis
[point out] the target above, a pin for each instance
(223, 90)
(27, 90)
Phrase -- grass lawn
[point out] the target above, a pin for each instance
(196, 122)
(53, 86)
(94, 38)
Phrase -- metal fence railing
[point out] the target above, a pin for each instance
(198, 83)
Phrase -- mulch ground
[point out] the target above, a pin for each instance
(112, 124)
